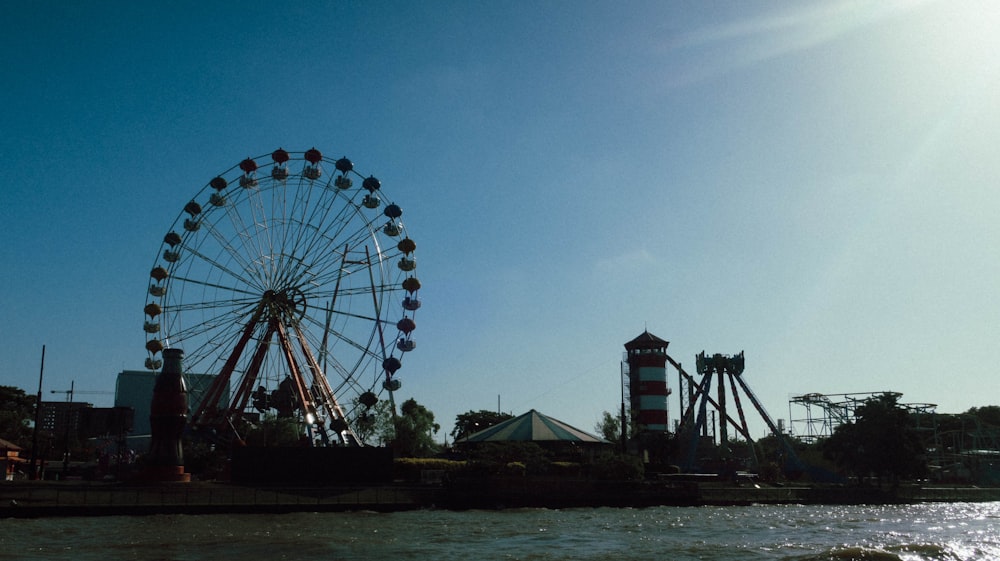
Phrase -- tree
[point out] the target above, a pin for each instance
(415, 429)
(275, 430)
(988, 415)
(609, 427)
(881, 441)
(475, 421)
(374, 425)
(17, 411)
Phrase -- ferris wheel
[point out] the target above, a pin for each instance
(289, 279)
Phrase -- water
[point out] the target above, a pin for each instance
(940, 531)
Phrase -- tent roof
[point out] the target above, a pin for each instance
(532, 427)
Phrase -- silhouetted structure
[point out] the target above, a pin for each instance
(168, 415)
(646, 356)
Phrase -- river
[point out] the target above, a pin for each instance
(939, 531)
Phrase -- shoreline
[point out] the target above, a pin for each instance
(74, 499)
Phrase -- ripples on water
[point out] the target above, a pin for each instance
(945, 531)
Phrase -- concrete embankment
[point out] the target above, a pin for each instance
(34, 499)
(556, 493)
(39, 499)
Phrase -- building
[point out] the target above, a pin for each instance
(10, 459)
(646, 366)
(563, 441)
(134, 388)
(61, 418)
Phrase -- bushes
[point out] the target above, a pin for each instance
(517, 469)
(494, 458)
(527, 458)
(566, 469)
(618, 468)
(413, 469)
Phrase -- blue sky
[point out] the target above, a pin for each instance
(815, 183)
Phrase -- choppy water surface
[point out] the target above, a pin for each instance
(946, 531)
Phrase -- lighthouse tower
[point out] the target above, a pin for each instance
(646, 356)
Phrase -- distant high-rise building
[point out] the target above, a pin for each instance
(135, 389)
(62, 417)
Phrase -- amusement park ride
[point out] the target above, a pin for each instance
(291, 278)
(724, 368)
(645, 376)
(823, 413)
(644, 410)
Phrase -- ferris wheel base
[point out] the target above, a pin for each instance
(166, 474)
(315, 467)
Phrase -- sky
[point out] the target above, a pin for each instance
(812, 183)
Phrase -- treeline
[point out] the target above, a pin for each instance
(884, 441)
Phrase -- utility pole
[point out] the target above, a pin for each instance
(69, 422)
(38, 420)
(624, 421)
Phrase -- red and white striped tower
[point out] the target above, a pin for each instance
(647, 371)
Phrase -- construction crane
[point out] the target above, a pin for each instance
(72, 391)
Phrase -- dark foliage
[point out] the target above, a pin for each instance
(988, 415)
(494, 457)
(609, 427)
(17, 410)
(475, 421)
(617, 467)
(882, 442)
(414, 431)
